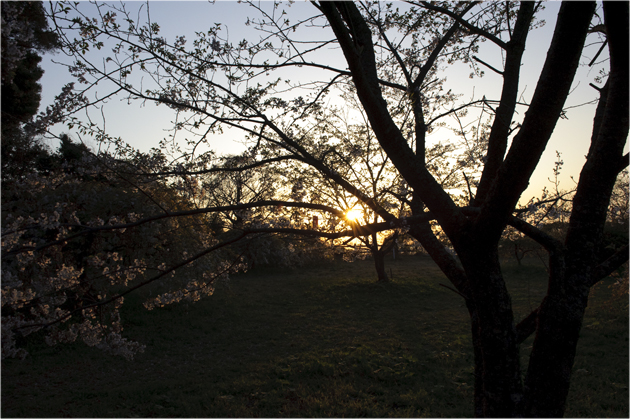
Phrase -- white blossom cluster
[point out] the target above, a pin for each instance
(68, 251)
(43, 286)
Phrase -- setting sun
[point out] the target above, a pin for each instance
(353, 214)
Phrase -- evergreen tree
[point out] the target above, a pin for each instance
(25, 35)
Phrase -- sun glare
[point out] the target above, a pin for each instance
(353, 214)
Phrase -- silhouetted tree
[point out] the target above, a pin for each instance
(25, 36)
(217, 84)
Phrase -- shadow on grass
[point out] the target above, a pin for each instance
(320, 341)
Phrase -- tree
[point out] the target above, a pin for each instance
(230, 185)
(498, 390)
(217, 84)
(616, 231)
(25, 35)
(64, 250)
(351, 150)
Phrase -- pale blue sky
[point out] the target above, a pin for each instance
(143, 127)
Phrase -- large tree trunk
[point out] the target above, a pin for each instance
(478, 398)
(497, 387)
(553, 353)
(497, 359)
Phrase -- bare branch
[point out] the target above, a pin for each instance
(487, 65)
(465, 23)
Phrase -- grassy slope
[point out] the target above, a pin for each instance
(318, 341)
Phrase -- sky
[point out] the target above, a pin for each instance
(143, 127)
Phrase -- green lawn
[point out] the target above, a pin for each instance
(315, 341)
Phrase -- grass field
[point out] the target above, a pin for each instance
(310, 342)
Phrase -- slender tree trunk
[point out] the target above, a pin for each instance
(517, 254)
(379, 255)
(379, 263)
